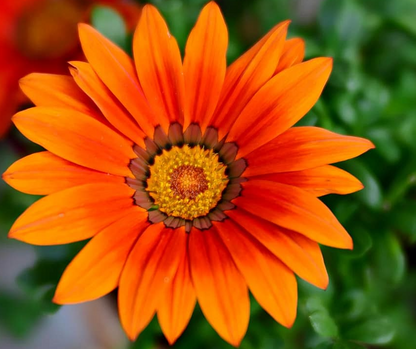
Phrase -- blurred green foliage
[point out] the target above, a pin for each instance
(371, 301)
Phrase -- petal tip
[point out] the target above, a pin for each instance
(328, 62)
(5, 175)
(57, 299)
(322, 64)
(83, 26)
(371, 145)
(349, 244)
(289, 321)
(148, 9)
(212, 4)
(63, 298)
(360, 186)
(171, 340)
(130, 335)
(27, 79)
(235, 342)
(14, 234)
(84, 30)
(324, 283)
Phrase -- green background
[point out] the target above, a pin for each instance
(371, 299)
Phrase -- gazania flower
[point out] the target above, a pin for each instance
(41, 36)
(188, 177)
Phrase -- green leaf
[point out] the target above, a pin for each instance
(362, 242)
(390, 260)
(343, 24)
(339, 345)
(44, 273)
(18, 315)
(385, 144)
(371, 195)
(346, 345)
(111, 24)
(354, 304)
(376, 330)
(320, 319)
(404, 218)
(323, 324)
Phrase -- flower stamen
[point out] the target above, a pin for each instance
(188, 181)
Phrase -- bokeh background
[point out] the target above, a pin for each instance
(371, 299)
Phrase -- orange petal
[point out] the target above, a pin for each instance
(318, 181)
(272, 283)
(159, 67)
(149, 270)
(178, 303)
(205, 64)
(279, 104)
(74, 214)
(44, 173)
(293, 53)
(301, 148)
(48, 90)
(116, 69)
(96, 270)
(295, 209)
(220, 288)
(299, 253)
(246, 75)
(78, 138)
(111, 108)
(314, 251)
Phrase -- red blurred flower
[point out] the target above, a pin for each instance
(41, 36)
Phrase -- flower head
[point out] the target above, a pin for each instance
(41, 36)
(188, 177)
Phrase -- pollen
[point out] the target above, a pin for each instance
(186, 182)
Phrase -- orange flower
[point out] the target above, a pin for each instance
(41, 35)
(189, 178)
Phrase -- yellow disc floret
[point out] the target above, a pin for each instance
(186, 182)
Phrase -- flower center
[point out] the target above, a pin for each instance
(186, 182)
(49, 29)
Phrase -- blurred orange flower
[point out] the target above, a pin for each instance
(188, 177)
(41, 35)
